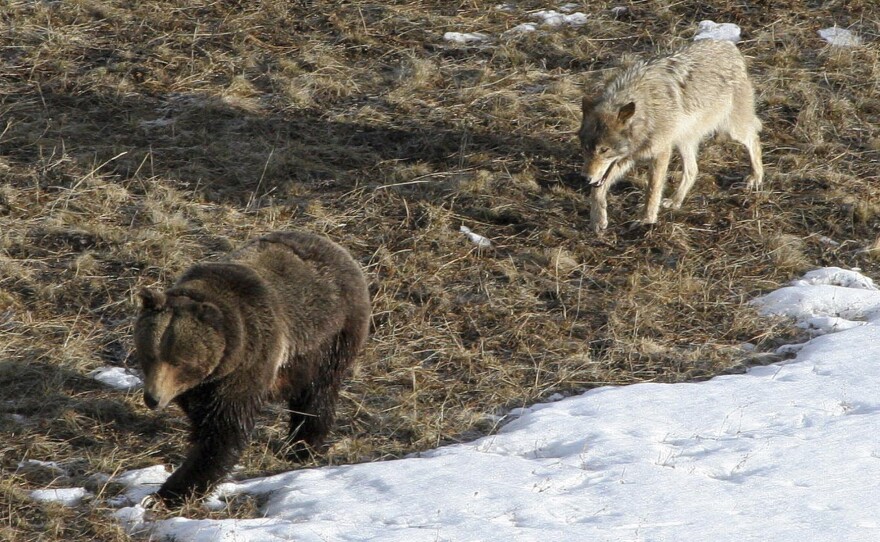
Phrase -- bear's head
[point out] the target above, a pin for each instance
(179, 343)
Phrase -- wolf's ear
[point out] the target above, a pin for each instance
(210, 314)
(626, 112)
(152, 300)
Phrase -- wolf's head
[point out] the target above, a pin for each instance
(179, 343)
(605, 139)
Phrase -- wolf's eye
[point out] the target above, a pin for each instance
(602, 150)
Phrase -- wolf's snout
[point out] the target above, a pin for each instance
(592, 180)
(595, 173)
(150, 401)
(595, 180)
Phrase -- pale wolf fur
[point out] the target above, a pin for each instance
(675, 101)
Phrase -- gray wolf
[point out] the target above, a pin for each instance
(671, 102)
(283, 317)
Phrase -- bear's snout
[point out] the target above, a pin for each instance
(150, 401)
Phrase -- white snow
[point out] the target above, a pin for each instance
(710, 30)
(69, 496)
(830, 292)
(550, 17)
(524, 27)
(819, 325)
(117, 377)
(840, 37)
(140, 483)
(838, 277)
(786, 452)
(476, 238)
(465, 37)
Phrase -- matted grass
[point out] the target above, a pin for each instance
(139, 137)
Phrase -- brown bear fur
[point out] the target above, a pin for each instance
(282, 317)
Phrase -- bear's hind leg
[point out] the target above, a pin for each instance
(311, 415)
(313, 407)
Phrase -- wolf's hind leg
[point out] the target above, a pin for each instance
(754, 181)
(744, 127)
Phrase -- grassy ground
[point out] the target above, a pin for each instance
(139, 137)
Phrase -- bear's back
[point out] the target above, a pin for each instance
(315, 284)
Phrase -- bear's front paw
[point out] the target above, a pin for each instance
(170, 498)
(151, 502)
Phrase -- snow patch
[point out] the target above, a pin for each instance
(119, 378)
(132, 518)
(836, 277)
(465, 37)
(476, 238)
(70, 496)
(840, 37)
(710, 30)
(830, 292)
(155, 475)
(820, 325)
(554, 18)
(140, 483)
(523, 28)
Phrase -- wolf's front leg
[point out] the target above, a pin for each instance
(599, 207)
(599, 194)
(655, 187)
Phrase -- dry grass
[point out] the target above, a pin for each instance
(138, 137)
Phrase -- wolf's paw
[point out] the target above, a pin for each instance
(599, 224)
(642, 225)
(669, 203)
(753, 182)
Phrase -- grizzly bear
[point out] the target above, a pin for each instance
(283, 317)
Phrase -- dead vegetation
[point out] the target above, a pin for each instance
(138, 137)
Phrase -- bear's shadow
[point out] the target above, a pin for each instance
(230, 154)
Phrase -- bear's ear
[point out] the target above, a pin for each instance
(152, 300)
(210, 314)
